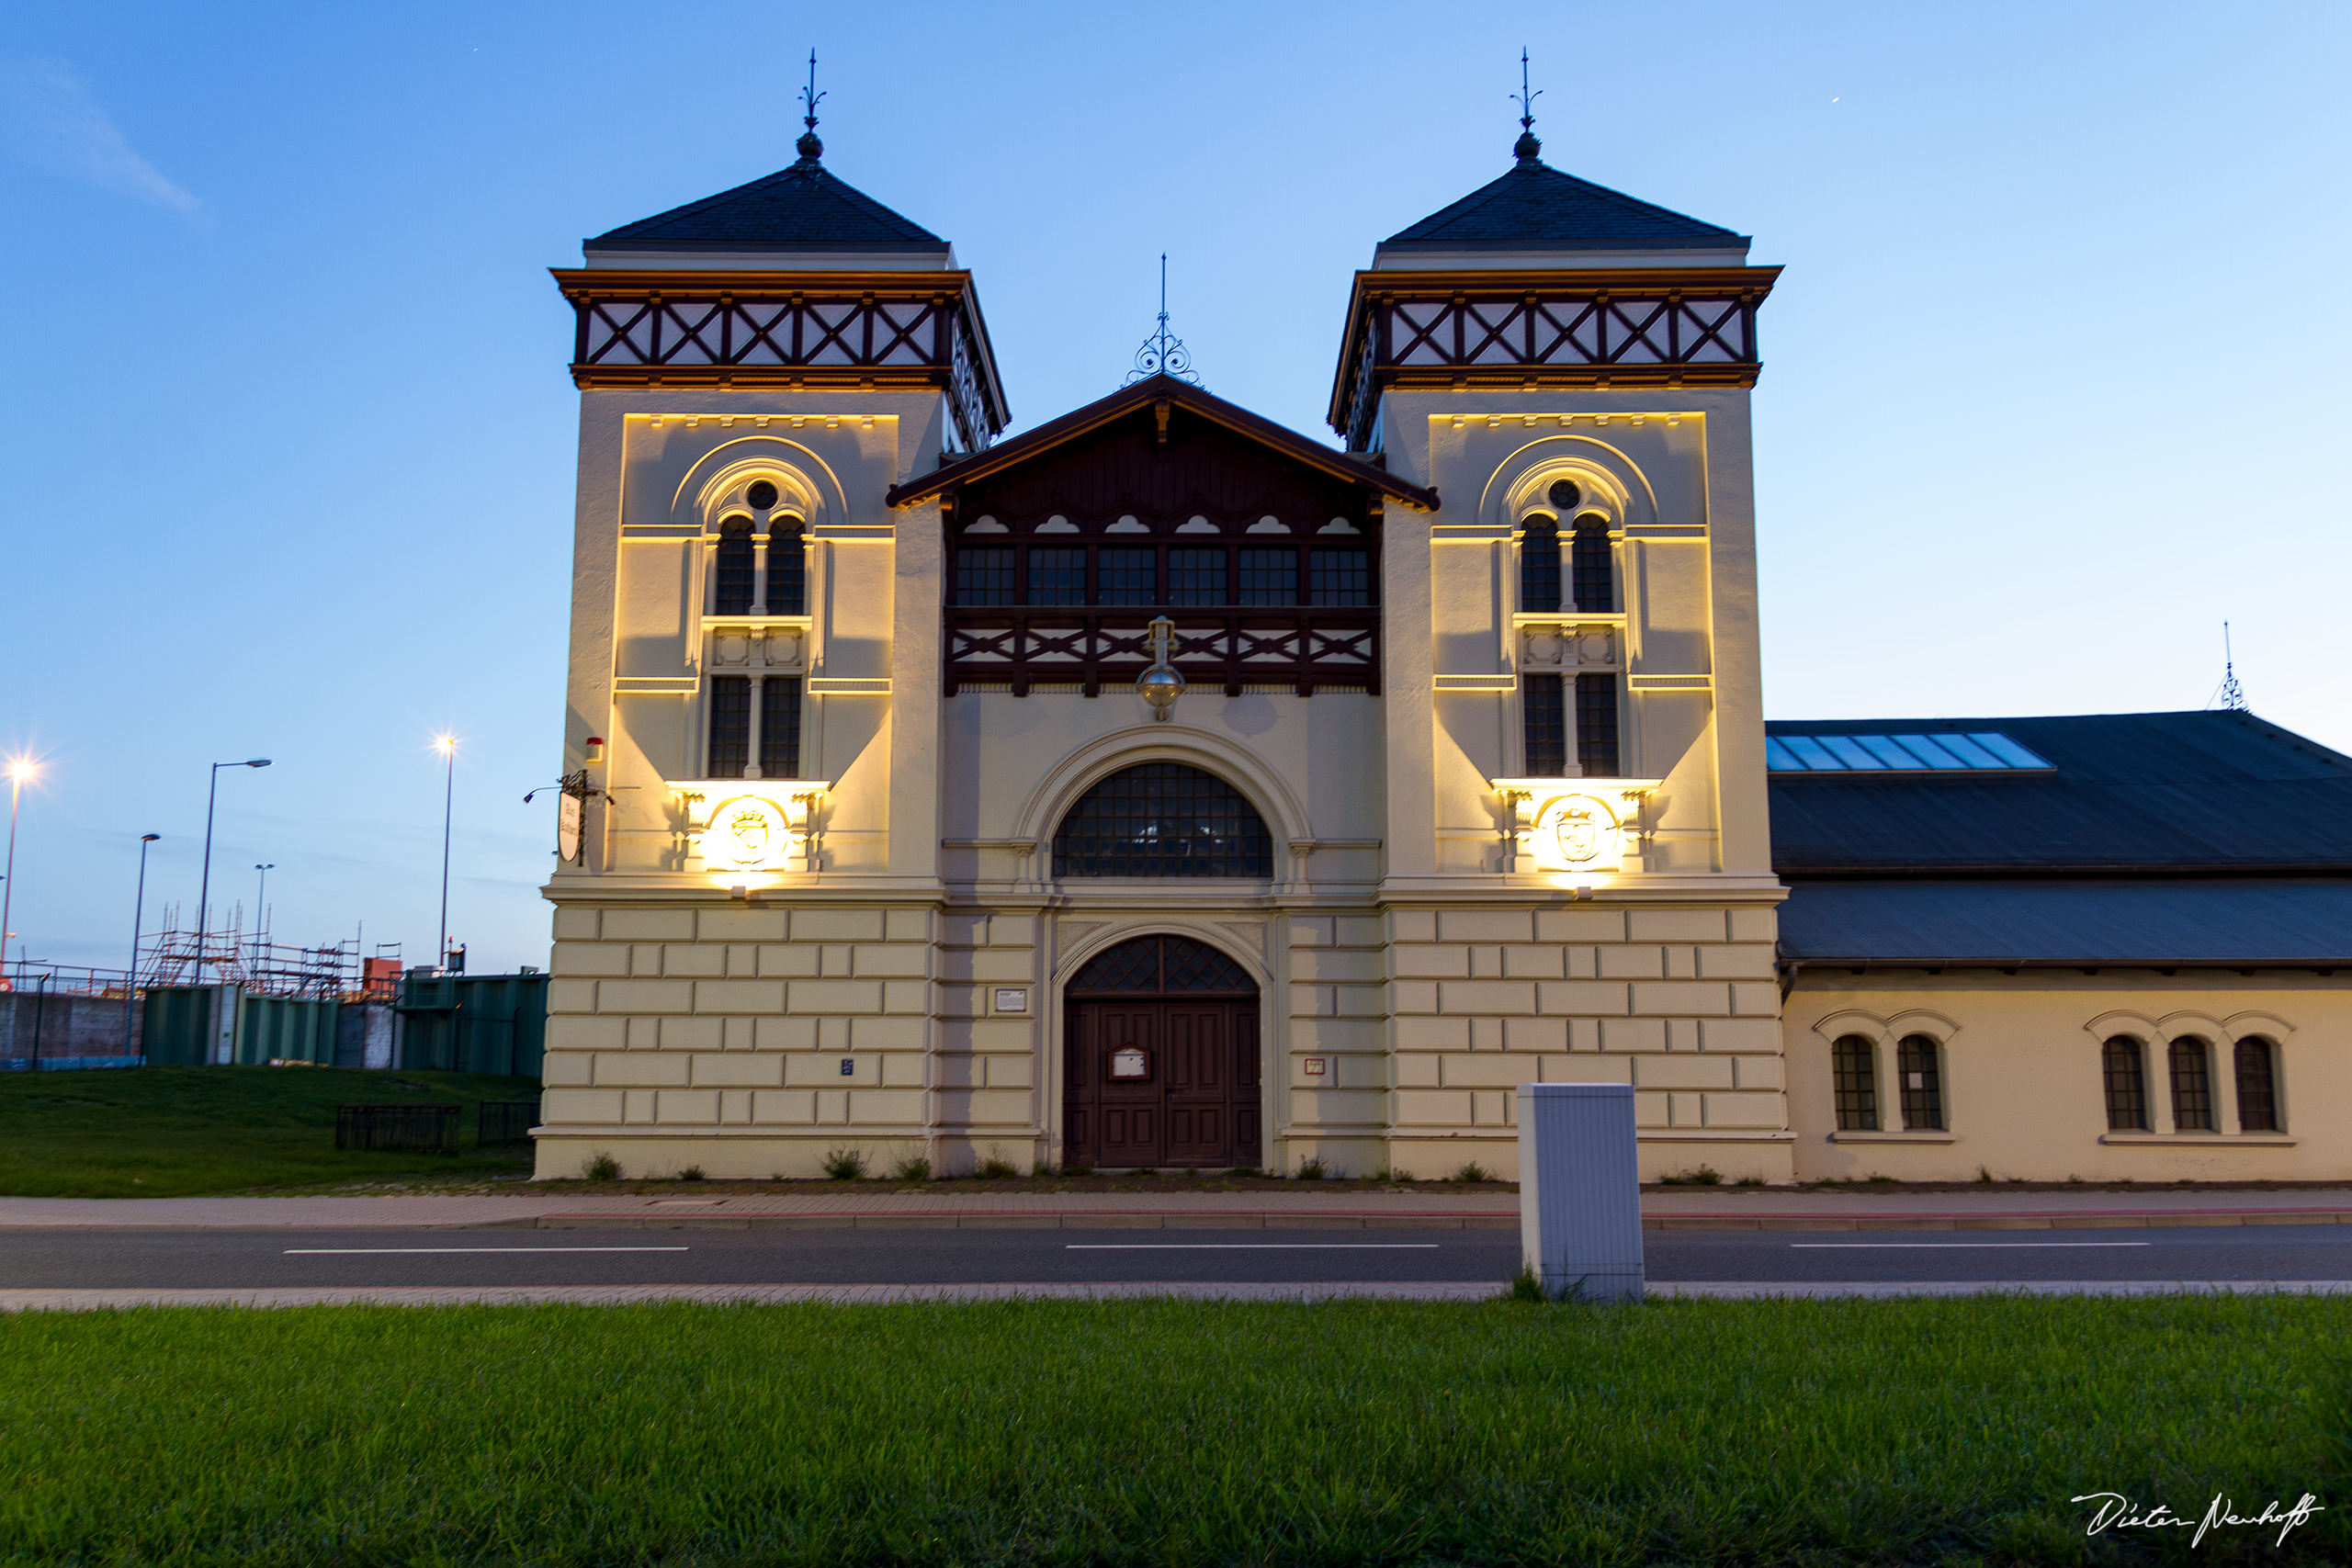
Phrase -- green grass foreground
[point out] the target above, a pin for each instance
(1168, 1432)
(183, 1131)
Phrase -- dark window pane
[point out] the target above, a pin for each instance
(1539, 566)
(731, 726)
(984, 576)
(1597, 726)
(734, 595)
(1340, 577)
(2127, 1089)
(787, 574)
(1162, 819)
(1196, 576)
(1161, 963)
(1269, 577)
(1057, 576)
(1128, 576)
(2192, 1086)
(1595, 583)
(1854, 1066)
(1548, 725)
(2257, 1092)
(780, 728)
(1923, 1092)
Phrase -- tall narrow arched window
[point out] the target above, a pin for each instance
(734, 571)
(1163, 819)
(2126, 1085)
(2187, 1061)
(2257, 1086)
(1923, 1084)
(1591, 572)
(1853, 1067)
(787, 568)
(1539, 565)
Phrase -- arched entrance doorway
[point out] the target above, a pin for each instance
(1163, 1059)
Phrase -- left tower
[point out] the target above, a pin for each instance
(756, 370)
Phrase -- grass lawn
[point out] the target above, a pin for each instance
(178, 1132)
(1923, 1431)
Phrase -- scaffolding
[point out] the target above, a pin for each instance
(334, 971)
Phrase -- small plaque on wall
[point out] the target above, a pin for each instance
(1314, 1066)
(1130, 1065)
(1012, 998)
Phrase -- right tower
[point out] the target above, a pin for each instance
(1576, 724)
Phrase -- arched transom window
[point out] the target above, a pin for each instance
(1163, 819)
(1161, 963)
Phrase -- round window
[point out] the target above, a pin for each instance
(1564, 493)
(762, 494)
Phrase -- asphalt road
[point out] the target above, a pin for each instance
(250, 1259)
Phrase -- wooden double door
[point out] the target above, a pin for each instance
(1195, 1101)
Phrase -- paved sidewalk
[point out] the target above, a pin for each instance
(1676, 1209)
(857, 1295)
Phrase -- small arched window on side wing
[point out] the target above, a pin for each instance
(787, 568)
(734, 569)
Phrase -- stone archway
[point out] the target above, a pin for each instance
(1162, 1064)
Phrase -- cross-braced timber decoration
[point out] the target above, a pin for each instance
(815, 329)
(1629, 328)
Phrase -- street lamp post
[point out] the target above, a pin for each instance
(448, 744)
(138, 919)
(204, 883)
(261, 898)
(19, 769)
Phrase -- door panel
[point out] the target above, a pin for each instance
(1199, 1107)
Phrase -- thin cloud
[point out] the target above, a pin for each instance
(48, 120)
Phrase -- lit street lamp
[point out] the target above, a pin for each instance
(19, 769)
(204, 886)
(138, 918)
(448, 744)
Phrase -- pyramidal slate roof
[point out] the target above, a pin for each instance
(803, 208)
(1535, 207)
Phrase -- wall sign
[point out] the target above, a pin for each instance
(1130, 1064)
(567, 828)
(1012, 998)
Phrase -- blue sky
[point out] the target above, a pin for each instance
(2052, 382)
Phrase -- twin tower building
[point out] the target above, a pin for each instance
(1161, 787)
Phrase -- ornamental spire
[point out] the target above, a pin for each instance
(1162, 355)
(811, 148)
(1528, 148)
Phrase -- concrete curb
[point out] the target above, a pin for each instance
(876, 1295)
(1293, 1219)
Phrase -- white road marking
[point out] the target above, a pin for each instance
(1953, 1246)
(432, 1251)
(1251, 1247)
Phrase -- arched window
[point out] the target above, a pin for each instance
(1923, 1089)
(2192, 1085)
(1163, 819)
(1539, 565)
(1592, 576)
(1161, 963)
(733, 594)
(2126, 1085)
(2257, 1087)
(787, 568)
(1854, 1068)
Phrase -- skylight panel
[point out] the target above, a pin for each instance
(1779, 758)
(1849, 750)
(1968, 751)
(1889, 754)
(1927, 751)
(2009, 751)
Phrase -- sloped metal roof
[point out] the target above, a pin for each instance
(2148, 794)
(803, 208)
(1536, 206)
(2197, 921)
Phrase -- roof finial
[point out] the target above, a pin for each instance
(2230, 697)
(1527, 148)
(811, 148)
(1160, 354)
